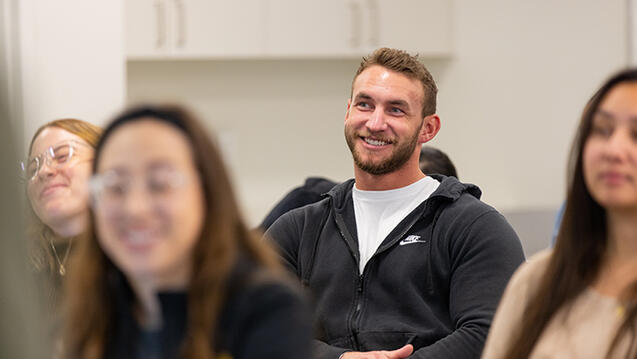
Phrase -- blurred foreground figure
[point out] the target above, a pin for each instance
(169, 270)
(23, 325)
(400, 264)
(580, 299)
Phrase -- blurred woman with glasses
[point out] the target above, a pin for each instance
(169, 269)
(580, 299)
(56, 175)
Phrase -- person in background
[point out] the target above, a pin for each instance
(56, 174)
(557, 223)
(399, 264)
(311, 191)
(169, 269)
(432, 160)
(579, 300)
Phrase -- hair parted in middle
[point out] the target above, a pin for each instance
(223, 239)
(403, 63)
(582, 241)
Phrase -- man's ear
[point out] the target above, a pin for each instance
(430, 127)
(349, 103)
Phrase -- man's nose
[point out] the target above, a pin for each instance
(376, 121)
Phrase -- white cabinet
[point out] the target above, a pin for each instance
(423, 26)
(159, 29)
(313, 28)
(71, 60)
(146, 28)
(228, 28)
(194, 28)
(337, 28)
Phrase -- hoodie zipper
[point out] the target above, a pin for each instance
(354, 323)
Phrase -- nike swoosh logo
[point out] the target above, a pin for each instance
(412, 239)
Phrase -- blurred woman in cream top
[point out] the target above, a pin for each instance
(580, 300)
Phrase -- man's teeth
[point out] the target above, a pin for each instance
(375, 142)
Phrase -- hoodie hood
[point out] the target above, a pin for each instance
(450, 189)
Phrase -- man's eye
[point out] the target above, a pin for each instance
(362, 105)
(396, 110)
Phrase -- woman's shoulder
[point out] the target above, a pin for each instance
(527, 277)
(261, 288)
(266, 314)
(511, 308)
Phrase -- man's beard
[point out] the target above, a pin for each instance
(399, 156)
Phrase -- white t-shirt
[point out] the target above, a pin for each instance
(379, 212)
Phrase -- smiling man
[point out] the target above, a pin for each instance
(400, 264)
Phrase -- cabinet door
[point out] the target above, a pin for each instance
(422, 26)
(311, 28)
(147, 28)
(70, 61)
(218, 28)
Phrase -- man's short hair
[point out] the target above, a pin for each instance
(402, 62)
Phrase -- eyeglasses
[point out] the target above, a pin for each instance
(55, 156)
(111, 188)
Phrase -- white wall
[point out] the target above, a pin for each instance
(71, 60)
(509, 101)
(511, 97)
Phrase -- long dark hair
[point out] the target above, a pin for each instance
(90, 306)
(581, 244)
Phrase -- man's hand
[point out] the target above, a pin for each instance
(401, 353)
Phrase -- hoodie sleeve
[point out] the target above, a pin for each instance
(483, 255)
(286, 234)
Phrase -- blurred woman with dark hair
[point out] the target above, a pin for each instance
(169, 269)
(580, 299)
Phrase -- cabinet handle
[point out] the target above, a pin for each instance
(161, 24)
(355, 24)
(181, 23)
(374, 21)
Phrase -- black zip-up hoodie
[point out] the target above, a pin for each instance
(434, 282)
